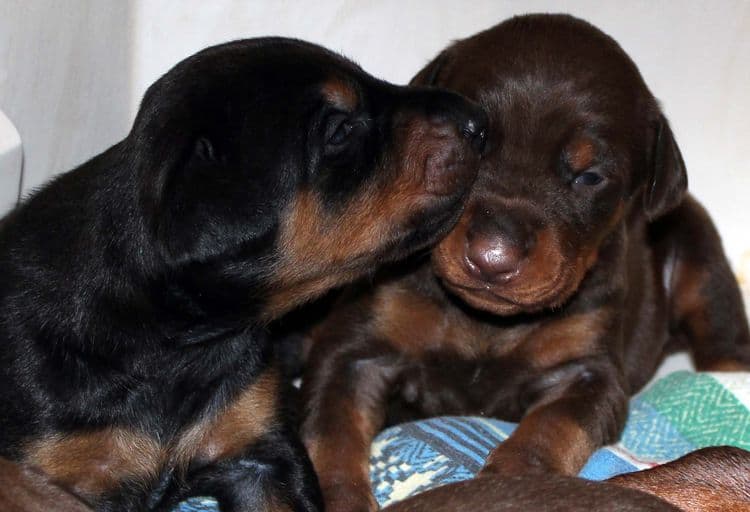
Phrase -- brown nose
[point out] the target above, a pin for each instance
(495, 247)
(492, 259)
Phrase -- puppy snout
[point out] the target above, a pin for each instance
(468, 118)
(496, 248)
(450, 132)
(451, 163)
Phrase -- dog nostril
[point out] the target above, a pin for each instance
(476, 134)
(470, 129)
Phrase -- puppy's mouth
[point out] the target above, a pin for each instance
(546, 280)
(502, 300)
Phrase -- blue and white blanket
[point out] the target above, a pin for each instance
(677, 414)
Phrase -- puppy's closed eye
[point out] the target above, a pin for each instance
(340, 129)
(587, 179)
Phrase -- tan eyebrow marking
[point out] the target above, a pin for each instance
(581, 153)
(340, 93)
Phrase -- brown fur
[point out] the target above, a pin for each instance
(709, 480)
(343, 457)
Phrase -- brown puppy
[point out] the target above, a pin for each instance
(577, 264)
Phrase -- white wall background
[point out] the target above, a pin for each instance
(71, 73)
(65, 79)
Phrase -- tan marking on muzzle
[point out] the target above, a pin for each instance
(321, 248)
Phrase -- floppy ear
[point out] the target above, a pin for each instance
(177, 170)
(430, 74)
(667, 177)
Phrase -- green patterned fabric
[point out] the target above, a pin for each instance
(707, 409)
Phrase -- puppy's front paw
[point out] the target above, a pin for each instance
(349, 497)
(723, 365)
(509, 459)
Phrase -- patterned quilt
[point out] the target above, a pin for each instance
(677, 414)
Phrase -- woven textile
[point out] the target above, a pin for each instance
(677, 414)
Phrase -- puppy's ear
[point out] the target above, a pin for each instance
(430, 74)
(666, 178)
(180, 181)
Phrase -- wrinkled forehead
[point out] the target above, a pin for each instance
(532, 104)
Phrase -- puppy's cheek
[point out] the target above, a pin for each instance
(448, 255)
(320, 248)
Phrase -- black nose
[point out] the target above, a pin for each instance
(476, 132)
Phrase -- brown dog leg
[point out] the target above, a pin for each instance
(344, 410)
(23, 489)
(582, 407)
(715, 479)
(707, 303)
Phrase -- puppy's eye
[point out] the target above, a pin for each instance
(588, 179)
(339, 129)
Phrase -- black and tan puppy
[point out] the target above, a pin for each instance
(135, 363)
(578, 263)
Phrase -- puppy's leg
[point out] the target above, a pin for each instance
(272, 475)
(579, 407)
(345, 399)
(247, 455)
(707, 306)
(709, 480)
